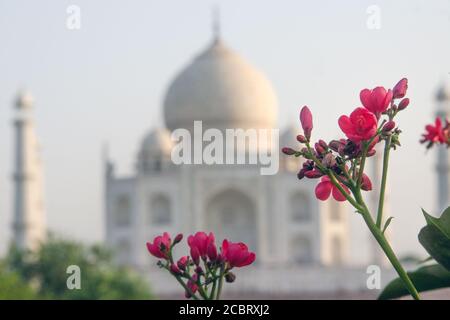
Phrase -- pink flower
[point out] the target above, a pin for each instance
(199, 244)
(400, 88)
(376, 100)
(436, 133)
(360, 126)
(160, 246)
(306, 121)
(237, 254)
(325, 187)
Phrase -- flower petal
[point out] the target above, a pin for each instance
(337, 195)
(345, 124)
(364, 96)
(248, 260)
(323, 190)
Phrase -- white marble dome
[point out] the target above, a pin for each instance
(223, 90)
(158, 141)
(443, 92)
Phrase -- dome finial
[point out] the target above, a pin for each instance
(216, 23)
(24, 100)
(443, 92)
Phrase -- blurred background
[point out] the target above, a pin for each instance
(111, 79)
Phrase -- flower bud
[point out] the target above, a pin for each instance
(230, 277)
(178, 238)
(335, 145)
(323, 144)
(308, 165)
(313, 174)
(306, 121)
(389, 126)
(400, 88)
(301, 174)
(403, 104)
(174, 269)
(192, 285)
(319, 149)
(183, 262)
(288, 151)
(371, 153)
(366, 184)
(301, 138)
(329, 160)
(350, 149)
(342, 147)
(199, 270)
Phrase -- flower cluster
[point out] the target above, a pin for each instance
(202, 273)
(437, 133)
(340, 163)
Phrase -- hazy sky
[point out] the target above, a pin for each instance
(106, 82)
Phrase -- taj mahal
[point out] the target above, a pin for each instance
(301, 244)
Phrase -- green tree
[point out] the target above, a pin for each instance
(99, 277)
(12, 287)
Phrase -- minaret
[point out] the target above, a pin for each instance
(29, 213)
(442, 161)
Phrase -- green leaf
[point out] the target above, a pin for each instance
(435, 237)
(388, 221)
(426, 260)
(425, 278)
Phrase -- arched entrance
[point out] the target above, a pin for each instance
(231, 215)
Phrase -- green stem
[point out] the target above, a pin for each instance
(387, 149)
(387, 249)
(219, 289)
(213, 290)
(354, 169)
(361, 168)
(347, 176)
